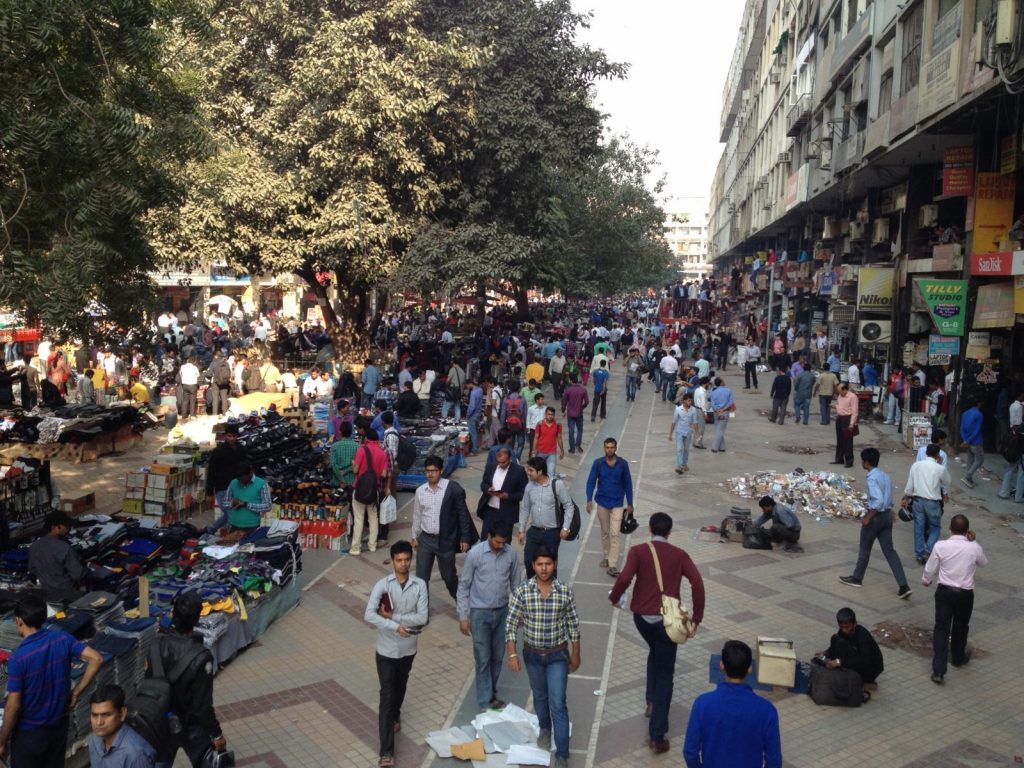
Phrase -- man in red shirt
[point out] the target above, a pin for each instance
(370, 455)
(675, 565)
(547, 440)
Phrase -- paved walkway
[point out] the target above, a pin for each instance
(306, 694)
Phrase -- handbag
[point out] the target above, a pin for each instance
(388, 510)
(677, 619)
(852, 432)
(837, 687)
(628, 524)
(709, 417)
(215, 759)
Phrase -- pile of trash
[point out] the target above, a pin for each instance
(494, 738)
(822, 494)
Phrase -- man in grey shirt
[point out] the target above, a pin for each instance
(545, 501)
(489, 575)
(785, 523)
(398, 607)
(54, 562)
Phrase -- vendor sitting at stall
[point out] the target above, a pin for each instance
(54, 562)
(785, 523)
(247, 499)
(853, 647)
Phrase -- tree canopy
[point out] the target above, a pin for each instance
(95, 120)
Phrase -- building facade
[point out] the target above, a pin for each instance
(686, 232)
(872, 153)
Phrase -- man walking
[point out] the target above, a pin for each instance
(370, 379)
(825, 389)
(732, 725)
(659, 568)
(970, 435)
(668, 368)
(877, 524)
(803, 386)
(489, 575)
(702, 402)
(954, 561)
(544, 502)
(685, 420)
(722, 404)
(611, 485)
(474, 409)
(39, 692)
(574, 401)
(547, 440)
(782, 385)
(440, 524)
(847, 411)
(556, 367)
(924, 494)
(503, 485)
(753, 357)
(399, 608)
(546, 609)
(600, 376)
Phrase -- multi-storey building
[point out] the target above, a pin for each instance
(871, 154)
(686, 232)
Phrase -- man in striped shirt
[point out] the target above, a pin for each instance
(546, 609)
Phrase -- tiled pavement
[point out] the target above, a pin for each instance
(306, 694)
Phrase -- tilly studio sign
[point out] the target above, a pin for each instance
(947, 302)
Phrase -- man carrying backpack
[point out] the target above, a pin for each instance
(370, 467)
(219, 375)
(513, 418)
(187, 665)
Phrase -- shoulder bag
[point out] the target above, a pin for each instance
(677, 619)
(837, 687)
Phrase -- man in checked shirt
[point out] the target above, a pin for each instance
(546, 608)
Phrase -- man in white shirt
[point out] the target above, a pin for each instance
(534, 416)
(188, 375)
(853, 375)
(1013, 478)
(703, 406)
(923, 495)
(669, 368)
(955, 561)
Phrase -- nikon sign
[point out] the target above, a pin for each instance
(874, 289)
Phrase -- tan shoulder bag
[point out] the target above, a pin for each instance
(677, 619)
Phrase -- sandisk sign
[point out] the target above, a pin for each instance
(1000, 263)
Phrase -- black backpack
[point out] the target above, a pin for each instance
(574, 523)
(222, 374)
(367, 487)
(755, 537)
(406, 453)
(151, 714)
(1012, 448)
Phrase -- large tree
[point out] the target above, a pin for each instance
(95, 120)
(339, 125)
(502, 227)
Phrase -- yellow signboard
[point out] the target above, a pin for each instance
(993, 209)
(874, 289)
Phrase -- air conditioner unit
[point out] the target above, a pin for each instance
(832, 228)
(928, 216)
(813, 153)
(880, 232)
(825, 164)
(785, 157)
(874, 331)
(774, 77)
(858, 230)
(740, 120)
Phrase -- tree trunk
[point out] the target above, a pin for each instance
(352, 328)
(522, 304)
(481, 303)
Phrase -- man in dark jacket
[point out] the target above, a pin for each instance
(192, 689)
(781, 388)
(440, 525)
(503, 485)
(407, 405)
(53, 561)
(227, 461)
(853, 647)
(219, 375)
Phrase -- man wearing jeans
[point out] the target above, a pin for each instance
(658, 567)
(877, 524)
(613, 483)
(600, 376)
(399, 608)
(546, 609)
(489, 575)
(924, 492)
(574, 401)
(970, 435)
(474, 410)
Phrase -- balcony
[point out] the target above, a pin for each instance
(848, 153)
(798, 115)
(846, 50)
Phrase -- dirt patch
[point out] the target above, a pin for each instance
(907, 637)
(803, 450)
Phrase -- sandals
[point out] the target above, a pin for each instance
(613, 571)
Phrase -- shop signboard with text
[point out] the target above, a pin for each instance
(874, 289)
(947, 304)
(995, 306)
(997, 264)
(958, 171)
(993, 208)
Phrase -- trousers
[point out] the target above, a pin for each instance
(879, 528)
(599, 402)
(610, 520)
(549, 678)
(393, 676)
(779, 405)
(825, 403)
(39, 747)
(361, 512)
(188, 400)
(427, 550)
(661, 668)
(220, 396)
(750, 373)
(801, 408)
(487, 626)
(721, 422)
(844, 443)
(953, 609)
(976, 461)
(574, 426)
(927, 525)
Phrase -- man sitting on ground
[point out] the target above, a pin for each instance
(853, 647)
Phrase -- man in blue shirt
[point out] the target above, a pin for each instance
(970, 435)
(722, 406)
(869, 374)
(35, 729)
(877, 524)
(833, 362)
(785, 524)
(371, 381)
(474, 410)
(113, 743)
(609, 483)
(600, 377)
(732, 725)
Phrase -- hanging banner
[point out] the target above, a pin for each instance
(994, 308)
(958, 171)
(947, 303)
(874, 289)
(993, 209)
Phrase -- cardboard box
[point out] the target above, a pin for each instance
(159, 469)
(79, 504)
(776, 662)
(132, 506)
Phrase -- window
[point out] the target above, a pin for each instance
(910, 69)
(885, 93)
